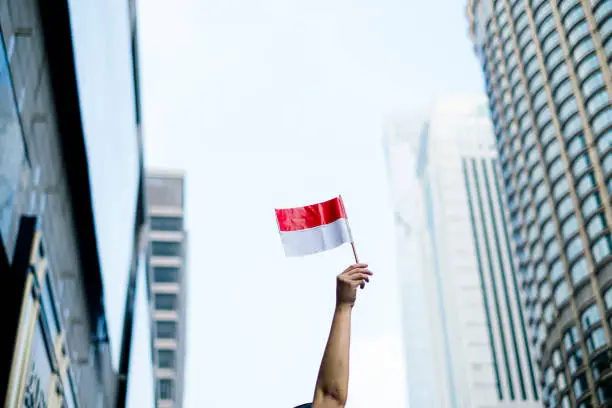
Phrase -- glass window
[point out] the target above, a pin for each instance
(575, 145)
(165, 329)
(561, 293)
(604, 390)
(560, 189)
(165, 274)
(602, 248)
(593, 83)
(574, 248)
(577, 33)
(590, 317)
(604, 141)
(606, 164)
(590, 205)
(572, 17)
(552, 151)
(549, 313)
(580, 164)
(550, 42)
(575, 360)
(545, 291)
(579, 271)
(596, 226)
(600, 365)
(583, 48)
(166, 223)
(165, 358)
(561, 382)
(165, 301)
(587, 66)
(565, 207)
(165, 389)
(580, 385)
(567, 109)
(602, 121)
(552, 251)
(556, 270)
(597, 102)
(570, 338)
(585, 185)
(573, 125)
(161, 248)
(608, 298)
(595, 340)
(556, 359)
(569, 227)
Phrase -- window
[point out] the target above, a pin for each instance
(608, 298)
(161, 248)
(596, 226)
(574, 248)
(601, 365)
(549, 313)
(165, 274)
(580, 385)
(561, 293)
(165, 329)
(602, 248)
(604, 391)
(165, 389)
(585, 185)
(590, 317)
(579, 271)
(166, 223)
(569, 227)
(595, 340)
(561, 382)
(165, 301)
(556, 270)
(165, 358)
(575, 360)
(570, 338)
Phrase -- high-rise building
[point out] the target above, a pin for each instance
(167, 284)
(547, 68)
(70, 223)
(467, 341)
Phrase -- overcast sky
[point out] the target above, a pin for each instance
(275, 103)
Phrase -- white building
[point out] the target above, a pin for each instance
(465, 331)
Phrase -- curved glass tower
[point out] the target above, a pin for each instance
(547, 67)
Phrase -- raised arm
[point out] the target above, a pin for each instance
(331, 390)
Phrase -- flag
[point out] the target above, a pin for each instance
(313, 228)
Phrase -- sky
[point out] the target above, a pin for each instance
(280, 103)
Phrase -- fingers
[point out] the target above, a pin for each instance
(355, 266)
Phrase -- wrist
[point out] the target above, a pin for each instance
(343, 307)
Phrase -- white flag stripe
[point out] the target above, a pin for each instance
(318, 239)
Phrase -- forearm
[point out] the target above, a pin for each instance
(332, 382)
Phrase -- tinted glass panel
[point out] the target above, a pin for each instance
(166, 223)
(165, 274)
(159, 248)
(165, 301)
(166, 330)
(165, 358)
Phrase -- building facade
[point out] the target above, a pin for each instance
(547, 69)
(62, 329)
(475, 350)
(167, 284)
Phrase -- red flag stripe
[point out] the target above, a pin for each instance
(310, 216)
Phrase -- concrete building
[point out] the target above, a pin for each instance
(467, 344)
(549, 83)
(70, 224)
(167, 284)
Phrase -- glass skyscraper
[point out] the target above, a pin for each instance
(467, 342)
(548, 79)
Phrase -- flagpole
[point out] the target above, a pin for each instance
(348, 224)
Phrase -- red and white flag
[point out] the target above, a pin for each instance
(313, 228)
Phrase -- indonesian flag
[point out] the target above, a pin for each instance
(314, 228)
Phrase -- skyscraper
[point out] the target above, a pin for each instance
(548, 80)
(167, 284)
(70, 223)
(476, 350)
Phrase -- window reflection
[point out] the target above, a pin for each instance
(12, 153)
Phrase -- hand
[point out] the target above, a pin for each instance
(347, 282)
